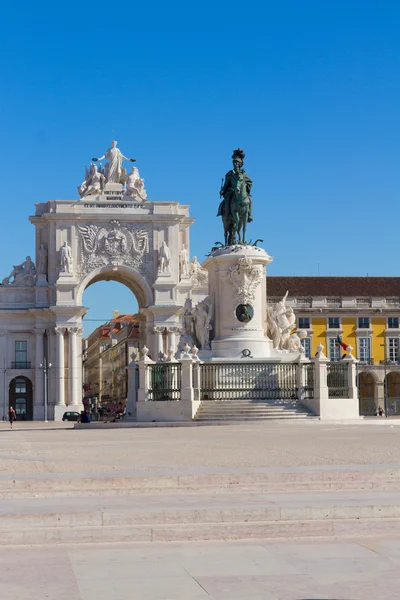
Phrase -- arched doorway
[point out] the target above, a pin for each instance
(393, 393)
(112, 329)
(21, 398)
(366, 385)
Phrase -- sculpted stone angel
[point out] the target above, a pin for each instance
(113, 169)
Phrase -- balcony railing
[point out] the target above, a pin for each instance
(21, 364)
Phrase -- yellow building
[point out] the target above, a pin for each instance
(365, 313)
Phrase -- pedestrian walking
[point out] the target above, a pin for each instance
(380, 411)
(11, 416)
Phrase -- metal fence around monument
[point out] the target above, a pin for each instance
(308, 378)
(252, 381)
(338, 379)
(165, 381)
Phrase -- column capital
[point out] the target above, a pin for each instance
(39, 331)
(59, 330)
(159, 329)
(75, 330)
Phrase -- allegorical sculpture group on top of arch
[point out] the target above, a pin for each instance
(114, 244)
(97, 179)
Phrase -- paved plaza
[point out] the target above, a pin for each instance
(361, 569)
(38, 448)
(299, 511)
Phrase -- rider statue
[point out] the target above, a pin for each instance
(235, 188)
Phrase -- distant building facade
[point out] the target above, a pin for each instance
(106, 354)
(365, 313)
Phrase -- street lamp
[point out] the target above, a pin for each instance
(384, 382)
(45, 368)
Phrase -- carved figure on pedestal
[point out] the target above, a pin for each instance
(93, 184)
(202, 316)
(199, 275)
(113, 169)
(42, 261)
(23, 274)
(183, 261)
(294, 342)
(66, 258)
(280, 322)
(135, 186)
(236, 207)
(164, 257)
(188, 319)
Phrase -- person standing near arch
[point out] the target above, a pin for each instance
(11, 416)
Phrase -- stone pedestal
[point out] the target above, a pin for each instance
(237, 285)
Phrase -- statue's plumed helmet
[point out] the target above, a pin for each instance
(238, 155)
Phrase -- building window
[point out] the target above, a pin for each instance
(306, 343)
(333, 323)
(304, 322)
(363, 323)
(334, 349)
(364, 349)
(393, 322)
(394, 349)
(21, 351)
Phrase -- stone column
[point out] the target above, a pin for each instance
(74, 398)
(60, 371)
(39, 373)
(3, 368)
(159, 341)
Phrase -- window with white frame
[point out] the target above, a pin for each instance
(304, 322)
(364, 349)
(333, 323)
(393, 322)
(394, 349)
(363, 323)
(334, 349)
(306, 343)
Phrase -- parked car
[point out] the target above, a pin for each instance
(71, 415)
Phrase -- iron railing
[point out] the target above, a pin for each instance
(308, 372)
(21, 364)
(165, 381)
(338, 379)
(253, 381)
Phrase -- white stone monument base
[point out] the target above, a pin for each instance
(237, 281)
(233, 348)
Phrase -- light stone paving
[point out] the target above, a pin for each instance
(262, 570)
(39, 449)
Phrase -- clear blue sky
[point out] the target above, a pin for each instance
(309, 89)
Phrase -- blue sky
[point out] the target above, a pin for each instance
(310, 90)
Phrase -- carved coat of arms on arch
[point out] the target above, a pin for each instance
(114, 244)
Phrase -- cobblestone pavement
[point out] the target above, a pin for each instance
(256, 570)
(34, 448)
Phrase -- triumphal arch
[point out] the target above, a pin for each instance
(111, 232)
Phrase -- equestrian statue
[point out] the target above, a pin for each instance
(236, 206)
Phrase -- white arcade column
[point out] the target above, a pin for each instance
(59, 408)
(74, 396)
(38, 409)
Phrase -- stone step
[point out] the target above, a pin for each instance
(200, 517)
(269, 479)
(234, 417)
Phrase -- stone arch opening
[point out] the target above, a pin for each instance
(122, 274)
(393, 392)
(20, 397)
(367, 393)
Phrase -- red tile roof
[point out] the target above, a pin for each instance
(333, 286)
